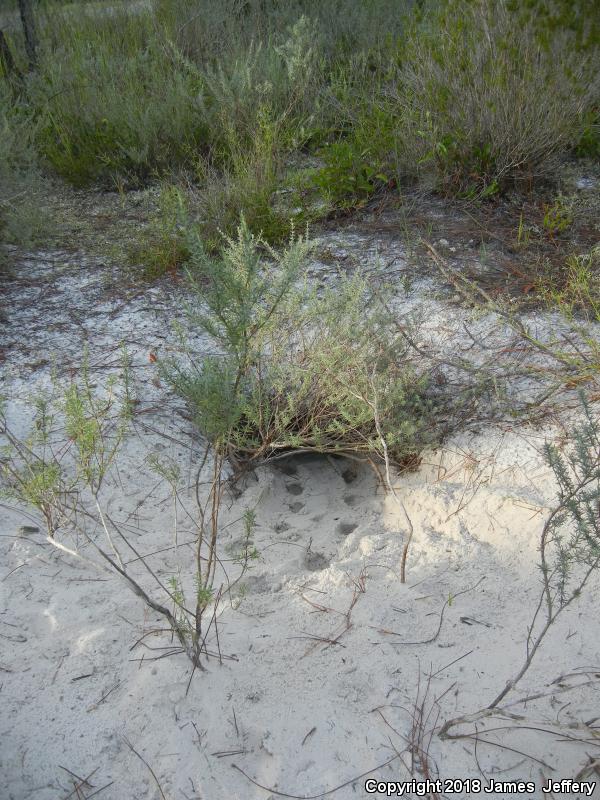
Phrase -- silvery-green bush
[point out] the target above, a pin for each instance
(297, 366)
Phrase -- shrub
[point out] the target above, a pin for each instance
(207, 32)
(352, 172)
(21, 221)
(278, 78)
(357, 142)
(243, 182)
(114, 106)
(62, 467)
(299, 368)
(486, 95)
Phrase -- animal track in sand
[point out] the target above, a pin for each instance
(346, 528)
(257, 584)
(289, 468)
(315, 562)
(349, 475)
(294, 488)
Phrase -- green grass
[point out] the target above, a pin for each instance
(574, 288)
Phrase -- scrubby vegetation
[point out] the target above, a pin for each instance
(20, 218)
(299, 369)
(234, 126)
(293, 110)
(290, 113)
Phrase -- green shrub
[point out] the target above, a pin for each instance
(208, 32)
(350, 175)
(243, 182)
(299, 368)
(278, 78)
(114, 106)
(357, 142)
(21, 219)
(486, 95)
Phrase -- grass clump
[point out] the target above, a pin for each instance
(162, 247)
(299, 369)
(575, 287)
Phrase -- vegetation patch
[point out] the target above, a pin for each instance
(488, 94)
(21, 219)
(299, 368)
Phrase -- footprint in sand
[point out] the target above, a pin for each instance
(289, 468)
(315, 562)
(296, 507)
(349, 475)
(346, 528)
(294, 488)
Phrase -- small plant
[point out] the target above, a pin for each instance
(61, 469)
(576, 287)
(558, 217)
(350, 175)
(242, 180)
(299, 367)
(524, 232)
(54, 479)
(162, 246)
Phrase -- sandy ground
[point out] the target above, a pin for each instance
(329, 661)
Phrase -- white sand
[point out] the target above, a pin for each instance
(295, 713)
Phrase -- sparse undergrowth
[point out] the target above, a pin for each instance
(569, 557)
(63, 467)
